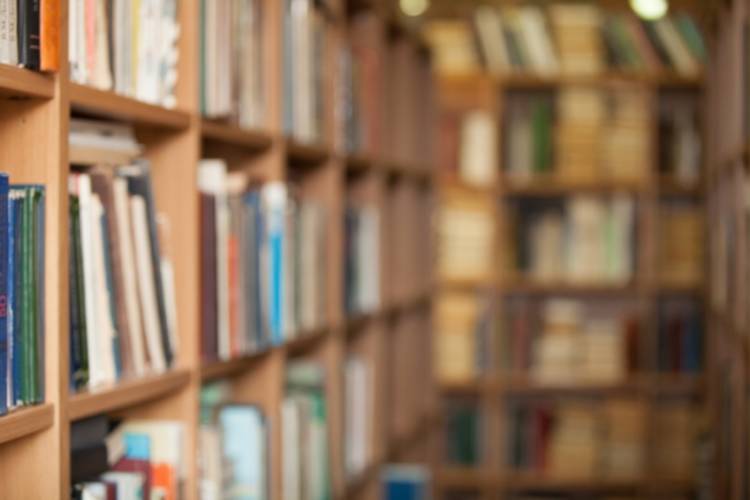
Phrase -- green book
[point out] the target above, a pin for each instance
(27, 331)
(541, 126)
(621, 34)
(692, 36)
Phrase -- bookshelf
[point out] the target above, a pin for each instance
(493, 390)
(35, 112)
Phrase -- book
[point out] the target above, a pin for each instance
(232, 61)
(304, 445)
(128, 47)
(463, 433)
(405, 482)
(362, 259)
(28, 33)
(359, 405)
(263, 262)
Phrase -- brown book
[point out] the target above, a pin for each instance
(209, 333)
(101, 184)
(49, 30)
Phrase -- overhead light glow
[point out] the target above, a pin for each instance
(650, 9)
(414, 7)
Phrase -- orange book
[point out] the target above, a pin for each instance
(49, 17)
(163, 478)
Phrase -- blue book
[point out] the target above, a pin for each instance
(109, 279)
(17, 197)
(692, 348)
(243, 443)
(275, 211)
(4, 188)
(405, 482)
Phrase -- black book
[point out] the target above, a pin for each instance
(28, 34)
(88, 463)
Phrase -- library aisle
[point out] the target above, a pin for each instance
(374, 249)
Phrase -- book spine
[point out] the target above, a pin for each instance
(38, 275)
(17, 353)
(3, 291)
(50, 35)
(28, 34)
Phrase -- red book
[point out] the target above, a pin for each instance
(142, 467)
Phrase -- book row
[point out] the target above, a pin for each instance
(569, 39)
(29, 34)
(565, 342)
(581, 439)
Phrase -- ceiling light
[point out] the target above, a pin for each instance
(414, 7)
(650, 9)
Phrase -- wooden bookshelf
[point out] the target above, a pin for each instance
(492, 388)
(35, 111)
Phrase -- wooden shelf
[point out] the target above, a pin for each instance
(107, 104)
(665, 79)
(543, 483)
(358, 162)
(305, 341)
(126, 393)
(553, 188)
(222, 369)
(672, 187)
(256, 140)
(25, 421)
(313, 154)
(531, 288)
(22, 83)
(463, 478)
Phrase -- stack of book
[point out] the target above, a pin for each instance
(262, 264)
(579, 439)
(358, 106)
(463, 324)
(680, 144)
(30, 34)
(136, 459)
(626, 144)
(22, 317)
(584, 240)
(578, 133)
(577, 32)
(675, 422)
(122, 302)
(233, 447)
(681, 239)
(624, 449)
(463, 433)
(232, 61)
(680, 337)
(453, 47)
(581, 135)
(304, 438)
(575, 349)
(127, 47)
(361, 259)
(359, 407)
(569, 39)
(304, 53)
(466, 237)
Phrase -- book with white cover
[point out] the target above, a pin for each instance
(532, 25)
(129, 274)
(478, 163)
(490, 31)
(290, 450)
(147, 292)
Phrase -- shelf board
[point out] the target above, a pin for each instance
(125, 394)
(22, 83)
(540, 482)
(111, 105)
(677, 288)
(305, 341)
(299, 152)
(358, 162)
(667, 79)
(253, 139)
(459, 477)
(25, 421)
(528, 287)
(669, 186)
(550, 187)
(213, 370)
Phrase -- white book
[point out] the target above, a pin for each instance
(678, 51)
(478, 163)
(490, 31)
(210, 463)
(122, 50)
(309, 271)
(128, 484)
(81, 184)
(291, 432)
(168, 281)
(129, 274)
(80, 35)
(212, 179)
(104, 327)
(94, 491)
(4, 21)
(537, 39)
(357, 417)
(146, 288)
(302, 69)
(12, 32)
(103, 77)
